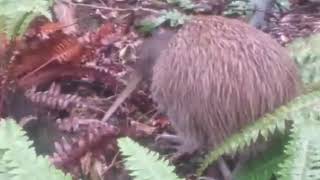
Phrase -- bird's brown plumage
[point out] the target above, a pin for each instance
(217, 76)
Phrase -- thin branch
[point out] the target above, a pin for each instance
(116, 8)
(113, 163)
(103, 3)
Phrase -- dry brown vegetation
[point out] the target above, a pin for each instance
(65, 74)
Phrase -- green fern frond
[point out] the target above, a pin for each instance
(306, 53)
(264, 126)
(18, 160)
(174, 17)
(18, 25)
(2, 24)
(147, 26)
(17, 16)
(264, 166)
(238, 7)
(145, 164)
(185, 4)
(11, 7)
(303, 150)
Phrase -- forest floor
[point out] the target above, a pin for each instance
(68, 72)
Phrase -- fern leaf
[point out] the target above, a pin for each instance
(16, 26)
(306, 53)
(238, 7)
(185, 4)
(174, 17)
(17, 16)
(264, 126)
(145, 164)
(265, 165)
(23, 25)
(11, 7)
(303, 150)
(18, 160)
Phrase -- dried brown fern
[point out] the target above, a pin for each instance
(59, 48)
(65, 50)
(96, 138)
(53, 98)
(68, 50)
(102, 35)
(59, 71)
(45, 30)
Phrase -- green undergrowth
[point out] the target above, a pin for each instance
(18, 159)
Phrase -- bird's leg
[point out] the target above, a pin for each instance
(181, 145)
(224, 169)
